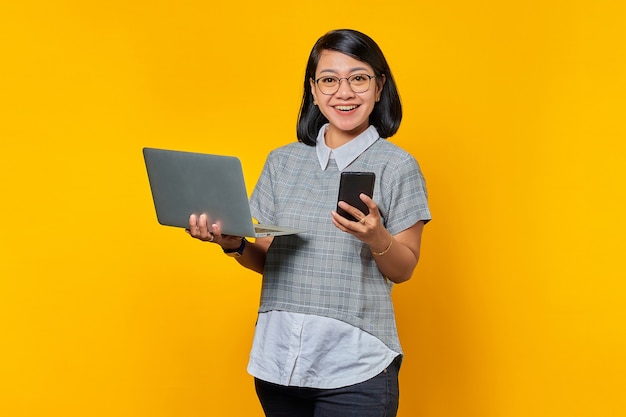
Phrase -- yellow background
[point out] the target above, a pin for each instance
(515, 111)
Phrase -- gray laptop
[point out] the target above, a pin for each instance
(185, 183)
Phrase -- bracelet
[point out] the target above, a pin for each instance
(386, 250)
(236, 253)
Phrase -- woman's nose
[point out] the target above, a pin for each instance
(344, 88)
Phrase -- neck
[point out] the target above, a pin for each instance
(335, 138)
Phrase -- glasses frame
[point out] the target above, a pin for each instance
(348, 80)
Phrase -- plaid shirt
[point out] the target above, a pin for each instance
(324, 271)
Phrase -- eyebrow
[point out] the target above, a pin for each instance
(351, 70)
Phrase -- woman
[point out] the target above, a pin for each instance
(326, 342)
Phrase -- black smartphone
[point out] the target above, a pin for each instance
(351, 185)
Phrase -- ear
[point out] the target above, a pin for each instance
(379, 85)
(313, 92)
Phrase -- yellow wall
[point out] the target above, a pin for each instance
(515, 111)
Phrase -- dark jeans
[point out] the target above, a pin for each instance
(376, 397)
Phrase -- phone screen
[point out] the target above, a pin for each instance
(351, 185)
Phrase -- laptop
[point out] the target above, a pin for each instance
(185, 183)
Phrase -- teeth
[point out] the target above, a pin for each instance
(345, 108)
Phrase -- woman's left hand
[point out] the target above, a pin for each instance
(369, 229)
(398, 263)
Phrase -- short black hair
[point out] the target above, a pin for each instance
(387, 113)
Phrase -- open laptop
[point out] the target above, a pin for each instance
(185, 183)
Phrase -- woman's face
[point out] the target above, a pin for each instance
(347, 112)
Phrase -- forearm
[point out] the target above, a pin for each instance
(253, 254)
(397, 256)
(253, 257)
(396, 261)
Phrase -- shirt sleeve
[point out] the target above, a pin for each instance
(407, 197)
(262, 204)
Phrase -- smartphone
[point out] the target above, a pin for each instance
(351, 185)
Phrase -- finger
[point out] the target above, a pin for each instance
(215, 232)
(344, 224)
(355, 212)
(193, 225)
(216, 229)
(371, 204)
(193, 222)
(203, 225)
(339, 221)
(206, 229)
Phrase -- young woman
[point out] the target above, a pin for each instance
(326, 342)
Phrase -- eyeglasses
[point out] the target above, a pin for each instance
(359, 83)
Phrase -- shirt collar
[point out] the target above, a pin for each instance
(347, 153)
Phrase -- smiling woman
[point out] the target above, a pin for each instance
(342, 56)
(314, 339)
(348, 105)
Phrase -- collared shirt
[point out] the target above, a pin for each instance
(312, 338)
(347, 153)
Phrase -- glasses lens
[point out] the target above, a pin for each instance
(328, 85)
(359, 83)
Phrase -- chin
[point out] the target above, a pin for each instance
(351, 128)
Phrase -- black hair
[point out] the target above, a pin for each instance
(387, 113)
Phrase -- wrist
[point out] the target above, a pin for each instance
(237, 251)
(380, 250)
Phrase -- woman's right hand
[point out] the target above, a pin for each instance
(199, 228)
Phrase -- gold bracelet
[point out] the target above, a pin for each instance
(386, 250)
